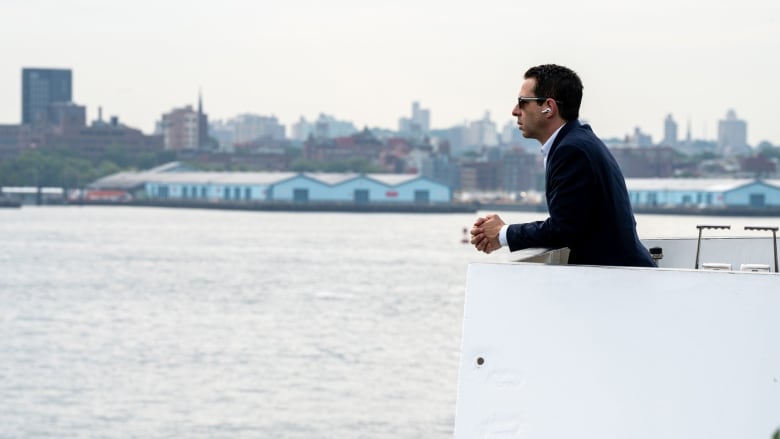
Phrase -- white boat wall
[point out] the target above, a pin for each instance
(558, 351)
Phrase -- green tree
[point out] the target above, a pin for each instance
(117, 154)
(51, 168)
(305, 165)
(769, 151)
(105, 168)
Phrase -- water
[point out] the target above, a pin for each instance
(156, 323)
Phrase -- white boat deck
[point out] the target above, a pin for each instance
(558, 351)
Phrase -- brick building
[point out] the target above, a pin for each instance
(650, 162)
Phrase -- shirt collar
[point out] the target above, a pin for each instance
(548, 144)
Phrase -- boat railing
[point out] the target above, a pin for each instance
(743, 267)
(547, 256)
(774, 239)
(702, 227)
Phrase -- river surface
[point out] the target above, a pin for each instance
(160, 323)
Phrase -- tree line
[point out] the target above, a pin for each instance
(58, 167)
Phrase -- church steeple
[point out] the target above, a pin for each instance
(200, 102)
(203, 123)
(688, 134)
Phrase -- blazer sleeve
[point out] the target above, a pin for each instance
(571, 187)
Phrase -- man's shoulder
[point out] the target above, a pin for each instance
(577, 131)
(583, 138)
(580, 144)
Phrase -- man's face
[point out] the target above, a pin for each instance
(529, 114)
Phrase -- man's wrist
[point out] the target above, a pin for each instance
(502, 235)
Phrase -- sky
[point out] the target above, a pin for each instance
(367, 61)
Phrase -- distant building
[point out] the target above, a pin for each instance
(480, 176)
(653, 162)
(521, 170)
(245, 130)
(511, 170)
(513, 137)
(96, 141)
(358, 145)
(670, 132)
(454, 137)
(510, 134)
(301, 130)
(440, 168)
(16, 138)
(222, 132)
(702, 192)
(41, 88)
(695, 147)
(249, 127)
(51, 120)
(398, 155)
(639, 139)
(482, 132)
(360, 189)
(469, 137)
(758, 165)
(418, 125)
(171, 182)
(325, 127)
(67, 117)
(67, 130)
(732, 135)
(179, 129)
(185, 128)
(328, 127)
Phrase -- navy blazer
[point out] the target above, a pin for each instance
(587, 199)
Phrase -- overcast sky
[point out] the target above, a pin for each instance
(366, 61)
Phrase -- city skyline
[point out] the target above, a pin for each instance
(419, 120)
(367, 63)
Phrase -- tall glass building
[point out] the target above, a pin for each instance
(41, 87)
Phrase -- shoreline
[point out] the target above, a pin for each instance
(687, 211)
(408, 207)
(292, 207)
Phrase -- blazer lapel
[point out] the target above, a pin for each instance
(561, 134)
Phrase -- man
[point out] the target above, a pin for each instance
(590, 212)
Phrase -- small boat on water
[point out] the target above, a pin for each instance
(687, 350)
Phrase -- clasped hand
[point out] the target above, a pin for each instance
(484, 233)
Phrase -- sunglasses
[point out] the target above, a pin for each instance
(521, 100)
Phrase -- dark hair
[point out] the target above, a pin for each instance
(559, 83)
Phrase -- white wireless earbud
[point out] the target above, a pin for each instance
(546, 110)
